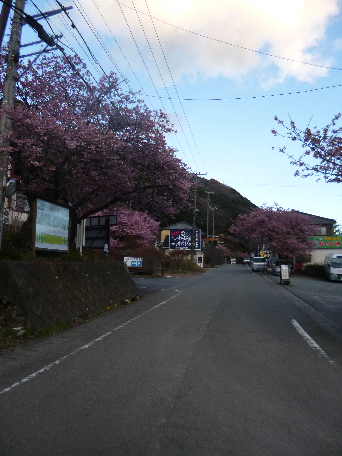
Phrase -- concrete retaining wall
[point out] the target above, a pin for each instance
(48, 292)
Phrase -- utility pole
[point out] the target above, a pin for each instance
(6, 6)
(212, 242)
(194, 218)
(19, 18)
(8, 100)
(208, 207)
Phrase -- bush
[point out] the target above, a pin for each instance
(152, 257)
(188, 265)
(177, 258)
(11, 255)
(314, 270)
(16, 246)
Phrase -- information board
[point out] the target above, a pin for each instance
(133, 262)
(52, 227)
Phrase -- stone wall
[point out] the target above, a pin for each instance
(48, 292)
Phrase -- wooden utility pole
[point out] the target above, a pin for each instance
(6, 6)
(208, 207)
(8, 100)
(194, 219)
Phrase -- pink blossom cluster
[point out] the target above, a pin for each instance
(92, 145)
(131, 223)
(281, 231)
(322, 154)
(224, 250)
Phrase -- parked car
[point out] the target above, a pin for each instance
(246, 261)
(259, 264)
(276, 268)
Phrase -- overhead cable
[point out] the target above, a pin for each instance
(99, 39)
(169, 98)
(258, 96)
(235, 45)
(175, 88)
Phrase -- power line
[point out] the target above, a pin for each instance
(135, 75)
(147, 70)
(235, 45)
(162, 81)
(45, 37)
(84, 41)
(174, 86)
(99, 39)
(259, 96)
(65, 24)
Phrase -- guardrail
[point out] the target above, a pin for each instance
(138, 270)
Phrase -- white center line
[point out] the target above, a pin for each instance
(84, 347)
(311, 342)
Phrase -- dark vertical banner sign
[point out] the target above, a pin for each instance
(97, 230)
(181, 239)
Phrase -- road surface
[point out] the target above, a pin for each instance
(225, 363)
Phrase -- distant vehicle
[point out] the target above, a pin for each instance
(246, 261)
(259, 264)
(233, 261)
(333, 266)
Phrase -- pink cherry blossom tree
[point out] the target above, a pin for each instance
(224, 250)
(283, 231)
(322, 154)
(139, 225)
(91, 145)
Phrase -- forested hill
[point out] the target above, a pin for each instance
(228, 202)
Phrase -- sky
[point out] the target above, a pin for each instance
(252, 56)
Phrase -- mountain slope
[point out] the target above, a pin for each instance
(228, 202)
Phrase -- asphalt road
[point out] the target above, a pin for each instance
(226, 363)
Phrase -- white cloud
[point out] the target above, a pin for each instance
(293, 29)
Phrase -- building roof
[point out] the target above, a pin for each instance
(179, 226)
(317, 220)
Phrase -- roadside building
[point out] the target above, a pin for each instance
(325, 239)
(325, 242)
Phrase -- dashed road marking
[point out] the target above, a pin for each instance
(84, 347)
(311, 342)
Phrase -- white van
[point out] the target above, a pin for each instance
(333, 266)
(259, 264)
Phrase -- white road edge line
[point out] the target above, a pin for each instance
(84, 347)
(311, 342)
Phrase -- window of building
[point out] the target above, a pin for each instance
(320, 230)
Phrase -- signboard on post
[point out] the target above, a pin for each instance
(51, 227)
(133, 262)
(97, 230)
(284, 274)
(181, 239)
